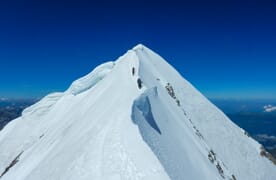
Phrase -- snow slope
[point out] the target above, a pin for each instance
(105, 127)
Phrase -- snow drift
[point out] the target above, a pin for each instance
(106, 127)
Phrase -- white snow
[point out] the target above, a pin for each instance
(43, 106)
(105, 127)
(91, 79)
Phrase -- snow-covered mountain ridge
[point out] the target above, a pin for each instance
(107, 127)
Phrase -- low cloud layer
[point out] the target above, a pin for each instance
(268, 141)
(265, 137)
(269, 108)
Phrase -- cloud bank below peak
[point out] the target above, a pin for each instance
(269, 108)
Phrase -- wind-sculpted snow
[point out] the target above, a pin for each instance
(91, 79)
(110, 125)
(229, 142)
(142, 104)
(178, 160)
(43, 106)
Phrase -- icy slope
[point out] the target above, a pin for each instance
(105, 127)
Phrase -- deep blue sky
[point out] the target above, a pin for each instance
(227, 49)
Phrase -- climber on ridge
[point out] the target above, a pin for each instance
(133, 71)
(139, 82)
